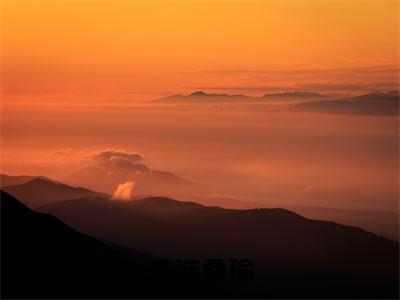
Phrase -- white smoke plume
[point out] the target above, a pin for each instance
(123, 191)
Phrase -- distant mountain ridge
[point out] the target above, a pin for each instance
(105, 176)
(38, 192)
(202, 97)
(368, 104)
(382, 223)
(375, 103)
(6, 180)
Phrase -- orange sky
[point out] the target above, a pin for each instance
(145, 49)
(77, 51)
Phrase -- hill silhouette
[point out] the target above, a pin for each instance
(202, 97)
(42, 257)
(147, 181)
(376, 103)
(6, 180)
(38, 192)
(368, 104)
(382, 223)
(293, 256)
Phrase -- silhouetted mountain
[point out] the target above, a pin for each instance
(42, 257)
(201, 97)
(6, 180)
(293, 256)
(295, 96)
(368, 104)
(38, 192)
(382, 223)
(106, 175)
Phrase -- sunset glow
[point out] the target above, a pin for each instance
(199, 149)
(141, 50)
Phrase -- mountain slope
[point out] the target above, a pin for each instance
(105, 176)
(6, 180)
(39, 192)
(382, 223)
(296, 256)
(44, 258)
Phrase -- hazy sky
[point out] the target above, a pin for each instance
(280, 158)
(144, 49)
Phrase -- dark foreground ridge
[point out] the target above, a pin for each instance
(42, 257)
(292, 256)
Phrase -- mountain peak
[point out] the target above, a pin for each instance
(203, 97)
(40, 181)
(40, 191)
(198, 93)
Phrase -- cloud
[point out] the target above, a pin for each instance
(314, 87)
(117, 155)
(305, 72)
(100, 156)
(115, 159)
(339, 86)
(262, 88)
(362, 78)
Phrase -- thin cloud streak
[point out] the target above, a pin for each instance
(338, 80)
